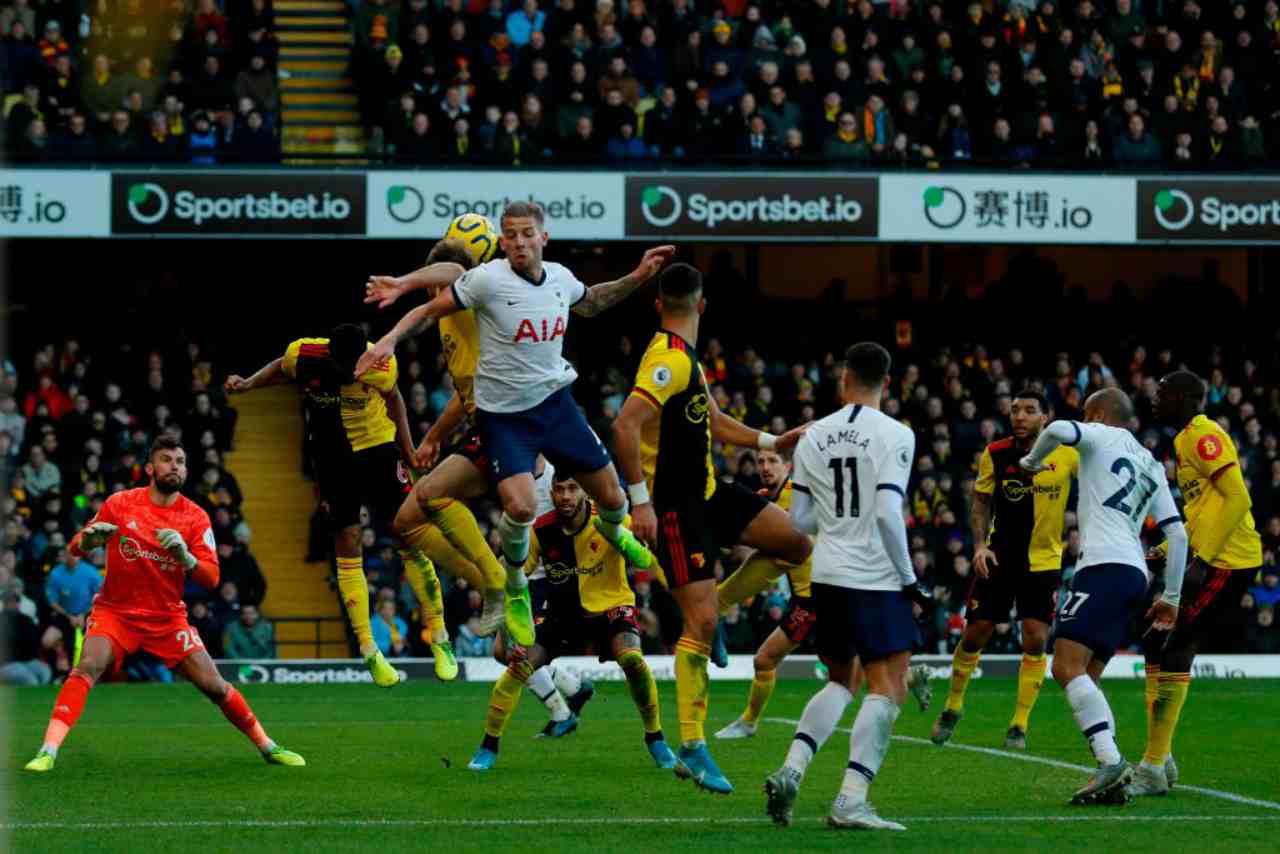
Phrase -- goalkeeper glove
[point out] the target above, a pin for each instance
(173, 543)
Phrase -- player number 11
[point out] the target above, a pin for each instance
(837, 467)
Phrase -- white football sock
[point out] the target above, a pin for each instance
(1093, 716)
(868, 743)
(544, 688)
(819, 720)
(566, 680)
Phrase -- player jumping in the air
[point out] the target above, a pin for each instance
(1017, 522)
(358, 440)
(851, 471)
(1226, 555)
(1120, 485)
(589, 603)
(663, 441)
(755, 576)
(155, 539)
(523, 403)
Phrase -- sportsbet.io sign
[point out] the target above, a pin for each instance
(735, 206)
(1217, 210)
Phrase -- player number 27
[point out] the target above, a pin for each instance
(1124, 467)
(837, 467)
(1072, 603)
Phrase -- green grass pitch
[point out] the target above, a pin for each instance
(154, 768)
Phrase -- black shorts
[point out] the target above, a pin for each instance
(991, 599)
(800, 619)
(579, 633)
(868, 624)
(691, 534)
(1210, 606)
(471, 447)
(375, 478)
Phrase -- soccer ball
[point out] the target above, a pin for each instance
(477, 233)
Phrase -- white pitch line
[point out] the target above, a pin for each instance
(1057, 763)
(284, 824)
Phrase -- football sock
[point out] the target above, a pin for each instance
(819, 720)
(962, 667)
(1093, 716)
(1170, 696)
(544, 688)
(644, 691)
(566, 680)
(66, 710)
(237, 711)
(753, 577)
(1153, 691)
(420, 572)
(459, 526)
(432, 542)
(761, 690)
(354, 588)
(611, 521)
(692, 688)
(515, 549)
(1030, 678)
(868, 743)
(503, 701)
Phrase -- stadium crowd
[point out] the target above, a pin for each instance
(75, 426)
(191, 81)
(1130, 84)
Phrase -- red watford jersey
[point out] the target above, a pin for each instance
(143, 579)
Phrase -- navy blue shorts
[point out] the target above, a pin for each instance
(869, 624)
(555, 428)
(1099, 607)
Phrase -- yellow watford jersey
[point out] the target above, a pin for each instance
(1027, 511)
(675, 448)
(801, 575)
(351, 416)
(461, 342)
(582, 568)
(1203, 450)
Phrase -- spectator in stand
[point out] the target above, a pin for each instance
(23, 646)
(250, 636)
(390, 632)
(209, 628)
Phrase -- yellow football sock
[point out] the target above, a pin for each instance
(644, 691)
(1170, 696)
(761, 690)
(1030, 678)
(962, 667)
(1153, 690)
(457, 523)
(504, 698)
(754, 576)
(354, 588)
(692, 688)
(432, 542)
(422, 578)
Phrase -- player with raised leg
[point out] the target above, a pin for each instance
(1226, 555)
(155, 539)
(756, 574)
(851, 472)
(662, 438)
(590, 604)
(523, 403)
(1017, 523)
(359, 443)
(1121, 484)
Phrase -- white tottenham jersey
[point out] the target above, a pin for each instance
(841, 462)
(1121, 484)
(544, 505)
(522, 327)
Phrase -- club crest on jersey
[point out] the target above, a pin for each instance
(698, 560)
(528, 331)
(696, 409)
(1209, 447)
